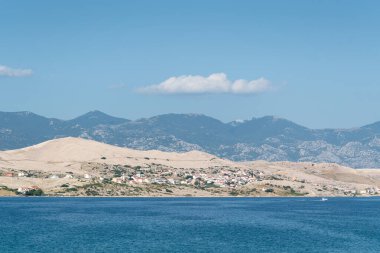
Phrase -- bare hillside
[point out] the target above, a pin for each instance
(74, 166)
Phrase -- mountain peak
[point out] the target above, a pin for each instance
(95, 113)
(94, 118)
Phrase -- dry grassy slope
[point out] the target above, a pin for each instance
(321, 172)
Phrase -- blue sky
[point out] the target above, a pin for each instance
(317, 62)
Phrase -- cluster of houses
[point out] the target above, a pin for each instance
(366, 191)
(370, 191)
(223, 179)
(342, 189)
(134, 179)
(25, 190)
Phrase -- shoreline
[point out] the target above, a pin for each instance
(202, 197)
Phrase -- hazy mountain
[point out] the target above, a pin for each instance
(267, 138)
(95, 118)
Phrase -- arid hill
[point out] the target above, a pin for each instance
(74, 166)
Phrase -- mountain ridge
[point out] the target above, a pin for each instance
(265, 138)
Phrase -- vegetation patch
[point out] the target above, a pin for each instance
(34, 192)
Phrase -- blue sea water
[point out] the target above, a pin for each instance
(189, 225)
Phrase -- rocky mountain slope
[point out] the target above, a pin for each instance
(267, 138)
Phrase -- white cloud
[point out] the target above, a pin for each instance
(254, 86)
(11, 72)
(214, 83)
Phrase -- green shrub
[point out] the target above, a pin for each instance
(72, 189)
(34, 192)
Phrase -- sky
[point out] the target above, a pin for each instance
(316, 63)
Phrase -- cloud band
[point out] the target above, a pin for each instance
(11, 72)
(214, 83)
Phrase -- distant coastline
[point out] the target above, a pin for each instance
(80, 167)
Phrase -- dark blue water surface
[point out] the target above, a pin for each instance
(189, 225)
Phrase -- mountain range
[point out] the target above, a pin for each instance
(266, 138)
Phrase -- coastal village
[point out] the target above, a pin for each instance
(154, 179)
(79, 167)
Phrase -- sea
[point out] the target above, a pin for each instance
(47, 224)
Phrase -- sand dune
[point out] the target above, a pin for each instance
(59, 153)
